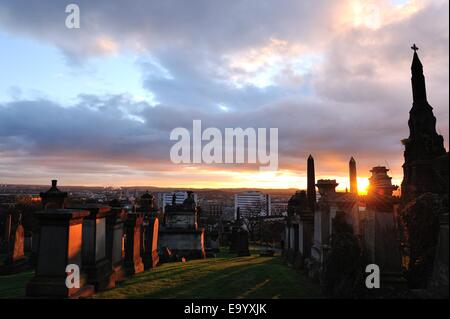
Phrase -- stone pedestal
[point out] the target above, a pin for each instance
(114, 242)
(306, 235)
(383, 248)
(233, 241)
(95, 264)
(150, 252)
(133, 261)
(188, 243)
(322, 231)
(59, 245)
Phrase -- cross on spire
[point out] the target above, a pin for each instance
(414, 47)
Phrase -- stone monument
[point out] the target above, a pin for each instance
(133, 260)
(95, 264)
(381, 239)
(60, 245)
(149, 230)
(114, 239)
(181, 233)
(15, 257)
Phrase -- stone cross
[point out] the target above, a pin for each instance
(414, 47)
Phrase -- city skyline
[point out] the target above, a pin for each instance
(95, 106)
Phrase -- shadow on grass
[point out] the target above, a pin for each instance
(239, 277)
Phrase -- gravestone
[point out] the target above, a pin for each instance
(242, 246)
(133, 260)
(233, 241)
(114, 241)
(95, 264)
(53, 198)
(381, 243)
(15, 257)
(60, 245)
(150, 255)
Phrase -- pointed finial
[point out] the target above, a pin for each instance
(310, 156)
(415, 48)
(352, 159)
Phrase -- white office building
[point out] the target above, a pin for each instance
(252, 204)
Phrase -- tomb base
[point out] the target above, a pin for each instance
(151, 261)
(188, 243)
(55, 287)
(100, 275)
(134, 266)
(119, 272)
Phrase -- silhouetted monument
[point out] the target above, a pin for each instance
(181, 233)
(234, 232)
(300, 223)
(424, 193)
(327, 187)
(242, 243)
(53, 198)
(426, 160)
(353, 176)
(381, 241)
(311, 187)
(133, 260)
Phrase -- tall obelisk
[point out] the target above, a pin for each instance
(311, 191)
(353, 176)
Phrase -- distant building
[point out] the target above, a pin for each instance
(165, 199)
(278, 207)
(211, 209)
(252, 203)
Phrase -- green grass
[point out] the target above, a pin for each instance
(13, 286)
(221, 277)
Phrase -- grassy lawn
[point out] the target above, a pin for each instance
(223, 277)
(13, 286)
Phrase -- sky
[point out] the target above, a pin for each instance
(96, 105)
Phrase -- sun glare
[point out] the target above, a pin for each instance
(363, 184)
